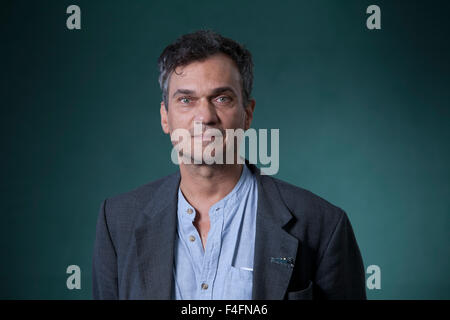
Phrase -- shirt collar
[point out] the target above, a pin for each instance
(187, 211)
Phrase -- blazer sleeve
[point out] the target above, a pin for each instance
(340, 273)
(104, 262)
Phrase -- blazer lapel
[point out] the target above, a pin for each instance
(275, 248)
(155, 238)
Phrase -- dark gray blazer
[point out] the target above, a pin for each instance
(305, 247)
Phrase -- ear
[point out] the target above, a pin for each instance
(249, 113)
(164, 121)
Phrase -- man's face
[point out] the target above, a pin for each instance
(207, 92)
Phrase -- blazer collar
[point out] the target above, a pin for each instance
(155, 234)
(275, 249)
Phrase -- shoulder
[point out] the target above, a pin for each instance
(315, 219)
(138, 196)
(125, 206)
(308, 207)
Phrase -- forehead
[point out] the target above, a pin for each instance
(215, 71)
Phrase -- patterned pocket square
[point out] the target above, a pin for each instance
(288, 261)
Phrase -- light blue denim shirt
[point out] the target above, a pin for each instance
(224, 269)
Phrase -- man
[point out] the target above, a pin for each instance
(220, 231)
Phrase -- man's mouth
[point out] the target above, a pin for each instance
(205, 137)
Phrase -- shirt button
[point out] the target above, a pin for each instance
(189, 210)
(204, 286)
(191, 238)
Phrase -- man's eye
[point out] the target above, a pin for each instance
(223, 99)
(185, 100)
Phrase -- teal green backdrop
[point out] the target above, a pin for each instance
(363, 116)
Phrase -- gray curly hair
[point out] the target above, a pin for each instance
(199, 46)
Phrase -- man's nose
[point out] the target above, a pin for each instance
(207, 112)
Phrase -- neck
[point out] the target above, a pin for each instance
(208, 183)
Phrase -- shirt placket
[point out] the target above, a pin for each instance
(212, 252)
(192, 238)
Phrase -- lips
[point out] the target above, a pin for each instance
(206, 137)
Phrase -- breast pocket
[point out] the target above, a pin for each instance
(238, 284)
(305, 294)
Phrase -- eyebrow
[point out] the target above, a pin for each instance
(215, 92)
(183, 91)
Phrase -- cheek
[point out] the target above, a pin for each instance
(231, 116)
(237, 120)
(176, 121)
